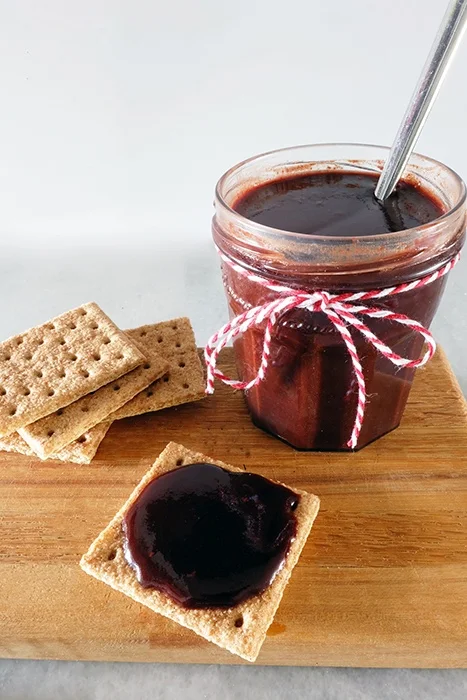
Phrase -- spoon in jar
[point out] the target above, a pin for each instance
(433, 73)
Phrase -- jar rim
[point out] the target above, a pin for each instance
(269, 231)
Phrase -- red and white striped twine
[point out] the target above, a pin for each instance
(341, 312)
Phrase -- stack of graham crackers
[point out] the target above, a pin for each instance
(63, 384)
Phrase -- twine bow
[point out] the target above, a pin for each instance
(342, 310)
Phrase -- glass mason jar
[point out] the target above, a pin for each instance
(309, 394)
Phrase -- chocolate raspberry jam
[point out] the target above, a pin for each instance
(307, 217)
(209, 537)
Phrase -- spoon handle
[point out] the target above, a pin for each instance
(441, 53)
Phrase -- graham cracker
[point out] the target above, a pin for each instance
(184, 382)
(80, 451)
(52, 433)
(49, 366)
(15, 443)
(83, 450)
(170, 337)
(240, 629)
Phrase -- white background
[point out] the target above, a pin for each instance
(117, 118)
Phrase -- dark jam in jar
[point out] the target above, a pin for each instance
(209, 537)
(336, 204)
(309, 394)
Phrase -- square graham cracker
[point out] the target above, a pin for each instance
(83, 450)
(52, 433)
(171, 337)
(52, 365)
(15, 443)
(185, 380)
(242, 628)
(80, 451)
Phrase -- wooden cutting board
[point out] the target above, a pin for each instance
(382, 580)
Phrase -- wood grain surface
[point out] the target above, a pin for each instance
(382, 580)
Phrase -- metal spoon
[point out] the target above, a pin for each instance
(435, 69)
